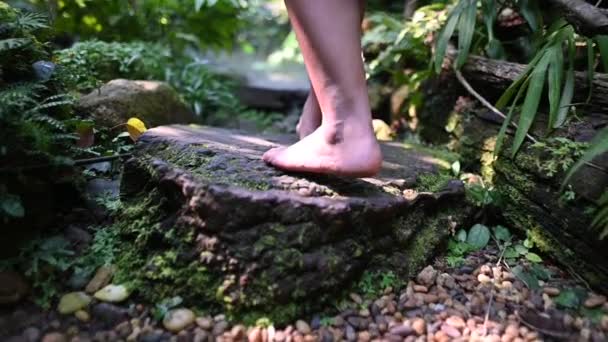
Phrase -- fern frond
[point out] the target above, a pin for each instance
(13, 43)
(49, 121)
(28, 21)
(59, 138)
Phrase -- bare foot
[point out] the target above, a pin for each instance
(350, 150)
(311, 116)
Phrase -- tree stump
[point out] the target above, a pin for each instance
(204, 218)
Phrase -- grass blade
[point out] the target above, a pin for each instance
(466, 28)
(598, 145)
(590, 67)
(602, 43)
(530, 11)
(444, 37)
(503, 129)
(555, 73)
(568, 91)
(530, 106)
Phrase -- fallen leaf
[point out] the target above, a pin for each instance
(136, 128)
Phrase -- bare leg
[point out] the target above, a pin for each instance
(329, 34)
(310, 119)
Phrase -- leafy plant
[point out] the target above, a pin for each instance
(161, 309)
(562, 154)
(373, 283)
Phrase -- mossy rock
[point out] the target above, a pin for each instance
(204, 218)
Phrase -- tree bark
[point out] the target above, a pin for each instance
(586, 18)
(492, 77)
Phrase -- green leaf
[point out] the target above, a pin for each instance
(590, 67)
(568, 91)
(598, 145)
(502, 234)
(478, 236)
(555, 72)
(530, 11)
(461, 235)
(528, 278)
(466, 28)
(602, 44)
(540, 272)
(534, 257)
(530, 106)
(570, 298)
(11, 205)
(510, 253)
(444, 38)
(198, 4)
(505, 125)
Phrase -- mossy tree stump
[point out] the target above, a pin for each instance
(204, 218)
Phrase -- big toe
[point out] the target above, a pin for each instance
(270, 155)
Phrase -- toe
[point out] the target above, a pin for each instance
(268, 157)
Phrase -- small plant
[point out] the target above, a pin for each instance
(562, 153)
(161, 309)
(373, 283)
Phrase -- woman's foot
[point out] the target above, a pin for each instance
(310, 119)
(347, 149)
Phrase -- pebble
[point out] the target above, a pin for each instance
(551, 291)
(450, 331)
(484, 279)
(356, 298)
(205, 322)
(72, 302)
(178, 319)
(219, 328)
(351, 335)
(594, 301)
(456, 322)
(427, 276)
(303, 327)
(31, 334)
(402, 330)
(123, 329)
(54, 337)
(363, 336)
(421, 288)
(82, 316)
(419, 326)
(110, 314)
(101, 278)
(112, 293)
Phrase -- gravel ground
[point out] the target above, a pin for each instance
(479, 301)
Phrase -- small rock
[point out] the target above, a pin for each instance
(446, 280)
(456, 322)
(364, 336)
(123, 329)
(82, 316)
(112, 293)
(351, 335)
(356, 298)
(255, 335)
(419, 326)
(109, 314)
(279, 336)
(421, 288)
(551, 291)
(54, 337)
(427, 276)
(594, 301)
(219, 328)
(205, 322)
(102, 278)
(402, 330)
(178, 319)
(31, 334)
(450, 331)
(604, 323)
(484, 279)
(72, 302)
(303, 327)
(238, 332)
(338, 321)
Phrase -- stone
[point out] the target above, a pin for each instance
(421, 288)
(456, 322)
(551, 291)
(402, 330)
(302, 327)
(484, 279)
(112, 293)
(427, 276)
(72, 302)
(13, 287)
(123, 329)
(594, 301)
(450, 331)
(446, 280)
(255, 335)
(102, 277)
(351, 335)
(213, 171)
(219, 328)
(54, 337)
(155, 103)
(419, 326)
(178, 319)
(356, 298)
(364, 336)
(109, 314)
(31, 334)
(204, 322)
(82, 316)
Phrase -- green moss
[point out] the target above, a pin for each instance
(443, 157)
(432, 182)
